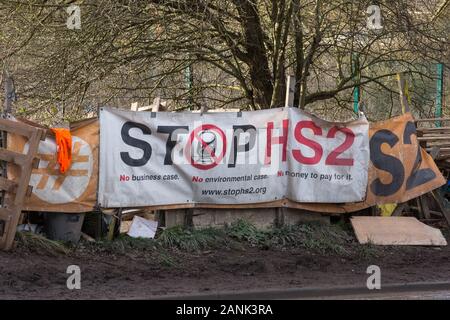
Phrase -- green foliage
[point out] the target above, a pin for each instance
(326, 239)
(367, 251)
(311, 236)
(124, 243)
(40, 244)
(243, 230)
(315, 237)
(191, 240)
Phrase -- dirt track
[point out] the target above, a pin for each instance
(142, 274)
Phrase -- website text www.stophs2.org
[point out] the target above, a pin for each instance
(234, 192)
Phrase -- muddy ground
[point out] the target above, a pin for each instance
(124, 273)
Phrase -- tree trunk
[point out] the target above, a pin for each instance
(255, 56)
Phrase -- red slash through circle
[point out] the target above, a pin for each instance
(195, 135)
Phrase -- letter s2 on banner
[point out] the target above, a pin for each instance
(399, 170)
(260, 156)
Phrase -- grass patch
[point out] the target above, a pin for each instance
(191, 240)
(171, 238)
(40, 244)
(312, 236)
(368, 251)
(325, 238)
(123, 244)
(166, 260)
(243, 231)
(321, 238)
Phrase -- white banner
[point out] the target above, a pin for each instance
(168, 158)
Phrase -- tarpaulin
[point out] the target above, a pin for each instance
(230, 158)
(398, 169)
(72, 191)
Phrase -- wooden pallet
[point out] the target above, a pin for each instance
(436, 138)
(436, 141)
(16, 191)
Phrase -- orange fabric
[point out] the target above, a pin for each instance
(64, 148)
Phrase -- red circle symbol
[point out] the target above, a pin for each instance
(206, 147)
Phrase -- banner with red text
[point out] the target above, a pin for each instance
(400, 170)
(162, 158)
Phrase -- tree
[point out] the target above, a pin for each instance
(240, 50)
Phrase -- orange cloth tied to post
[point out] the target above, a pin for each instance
(64, 148)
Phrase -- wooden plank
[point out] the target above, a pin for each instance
(424, 207)
(419, 208)
(430, 146)
(396, 231)
(156, 104)
(403, 85)
(16, 127)
(439, 129)
(47, 132)
(399, 209)
(431, 120)
(444, 153)
(441, 203)
(7, 240)
(14, 157)
(29, 191)
(440, 149)
(434, 138)
(290, 91)
(440, 144)
(5, 214)
(111, 227)
(26, 170)
(433, 134)
(434, 152)
(7, 185)
(35, 163)
(2, 230)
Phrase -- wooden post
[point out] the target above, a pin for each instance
(399, 209)
(424, 206)
(10, 213)
(111, 227)
(290, 90)
(154, 107)
(439, 92)
(9, 93)
(356, 78)
(134, 106)
(189, 78)
(404, 94)
(440, 200)
(156, 104)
